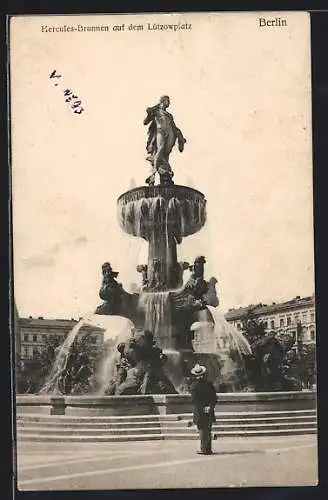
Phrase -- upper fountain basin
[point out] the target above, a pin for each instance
(144, 210)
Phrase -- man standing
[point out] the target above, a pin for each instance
(203, 396)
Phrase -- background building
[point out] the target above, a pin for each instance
(281, 317)
(36, 332)
(16, 335)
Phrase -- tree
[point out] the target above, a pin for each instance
(264, 367)
(83, 346)
(309, 365)
(45, 360)
(80, 365)
(47, 354)
(253, 328)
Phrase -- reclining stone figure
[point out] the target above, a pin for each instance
(140, 369)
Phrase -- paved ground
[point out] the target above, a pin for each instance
(268, 461)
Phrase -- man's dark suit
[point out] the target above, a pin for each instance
(204, 395)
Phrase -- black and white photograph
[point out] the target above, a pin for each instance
(164, 325)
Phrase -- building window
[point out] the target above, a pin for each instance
(238, 326)
(312, 316)
(281, 321)
(35, 338)
(35, 352)
(265, 323)
(289, 321)
(272, 323)
(312, 335)
(25, 338)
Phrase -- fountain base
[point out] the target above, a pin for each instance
(169, 404)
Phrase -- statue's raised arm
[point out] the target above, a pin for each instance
(150, 114)
(162, 136)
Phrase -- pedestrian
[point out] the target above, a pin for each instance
(203, 396)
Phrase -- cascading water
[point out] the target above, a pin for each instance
(157, 307)
(212, 345)
(106, 369)
(232, 347)
(175, 370)
(52, 383)
(224, 330)
(116, 330)
(138, 216)
(217, 345)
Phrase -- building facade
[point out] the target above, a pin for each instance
(16, 334)
(281, 317)
(36, 332)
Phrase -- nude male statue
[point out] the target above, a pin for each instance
(162, 136)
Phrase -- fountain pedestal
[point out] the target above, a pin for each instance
(163, 216)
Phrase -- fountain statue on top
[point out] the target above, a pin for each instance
(162, 136)
(163, 215)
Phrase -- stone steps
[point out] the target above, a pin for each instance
(169, 417)
(150, 437)
(167, 423)
(101, 425)
(156, 430)
(149, 427)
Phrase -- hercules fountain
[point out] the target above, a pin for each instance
(170, 323)
(172, 318)
(161, 355)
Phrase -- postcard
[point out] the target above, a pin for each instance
(163, 253)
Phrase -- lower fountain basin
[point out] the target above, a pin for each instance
(93, 405)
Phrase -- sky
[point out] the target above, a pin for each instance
(241, 94)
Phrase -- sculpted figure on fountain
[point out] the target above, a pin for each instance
(143, 268)
(211, 297)
(111, 291)
(182, 267)
(162, 136)
(198, 292)
(140, 368)
(116, 300)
